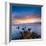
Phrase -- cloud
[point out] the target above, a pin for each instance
(27, 19)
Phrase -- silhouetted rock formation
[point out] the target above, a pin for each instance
(35, 35)
(27, 34)
(18, 27)
(29, 29)
(30, 35)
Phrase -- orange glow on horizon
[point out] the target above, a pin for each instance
(26, 20)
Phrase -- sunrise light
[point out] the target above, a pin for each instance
(26, 20)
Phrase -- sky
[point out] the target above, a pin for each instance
(25, 14)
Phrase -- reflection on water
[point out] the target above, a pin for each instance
(15, 32)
